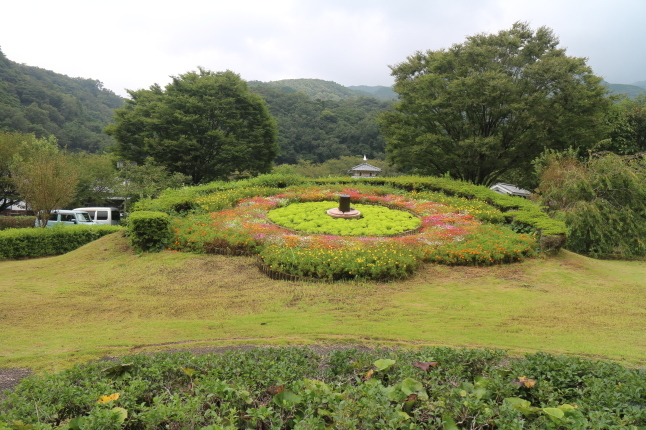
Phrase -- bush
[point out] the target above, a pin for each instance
(16, 222)
(602, 201)
(149, 231)
(296, 388)
(41, 242)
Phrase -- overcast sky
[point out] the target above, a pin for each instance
(133, 44)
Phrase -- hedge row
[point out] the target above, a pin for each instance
(16, 222)
(183, 200)
(41, 242)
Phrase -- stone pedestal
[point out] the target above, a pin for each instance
(344, 210)
(336, 213)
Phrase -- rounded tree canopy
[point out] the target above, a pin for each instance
(203, 124)
(491, 105)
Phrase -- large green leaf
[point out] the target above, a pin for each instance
(384, 364)
(287, 399)
(410, 386)
(121, 413)
(555, 414)
(449, 423)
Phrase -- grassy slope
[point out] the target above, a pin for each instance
(102, 299)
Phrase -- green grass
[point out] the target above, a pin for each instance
(103, 299)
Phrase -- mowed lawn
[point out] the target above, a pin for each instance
(104, 300)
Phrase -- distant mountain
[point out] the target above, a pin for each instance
(378, 92)
(631, 91)
(320, 130)
(319, 89)
(39, 101)
(640, 84)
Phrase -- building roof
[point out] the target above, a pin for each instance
(510, 190)
(365, 167)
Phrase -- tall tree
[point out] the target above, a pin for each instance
(203, 124)
(44, 177)
(492, 104)
(10, 144)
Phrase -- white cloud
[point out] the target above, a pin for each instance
(133, 44)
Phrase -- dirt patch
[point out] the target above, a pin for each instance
(9, 378)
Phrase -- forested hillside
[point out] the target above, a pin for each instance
(315, 88)
(378, 92)
(39, 101)
(320, 130)
(631, 91)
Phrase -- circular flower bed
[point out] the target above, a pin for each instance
(446, 235)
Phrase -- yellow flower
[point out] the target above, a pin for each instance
(106, 399)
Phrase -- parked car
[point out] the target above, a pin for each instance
(67, 217)
(103, 215)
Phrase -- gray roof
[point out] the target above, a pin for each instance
(510, 190)
(365, 167)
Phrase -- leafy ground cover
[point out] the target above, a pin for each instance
(297, 388)
(449, 235)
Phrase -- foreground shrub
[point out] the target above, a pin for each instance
(296, 388)
(16, 222)
(148, 231)
(41, 242)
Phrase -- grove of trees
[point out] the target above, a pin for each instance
(204, 125)
(491, 105)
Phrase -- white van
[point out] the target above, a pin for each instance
(66, 217)
(100, 215)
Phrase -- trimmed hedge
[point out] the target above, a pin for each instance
(149, 231)
(41, 242)
(181, 200)
(16, 222)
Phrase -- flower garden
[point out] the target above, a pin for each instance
(399, 230)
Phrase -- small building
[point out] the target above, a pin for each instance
(17, 209)
(510, 190)
(364, 170)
